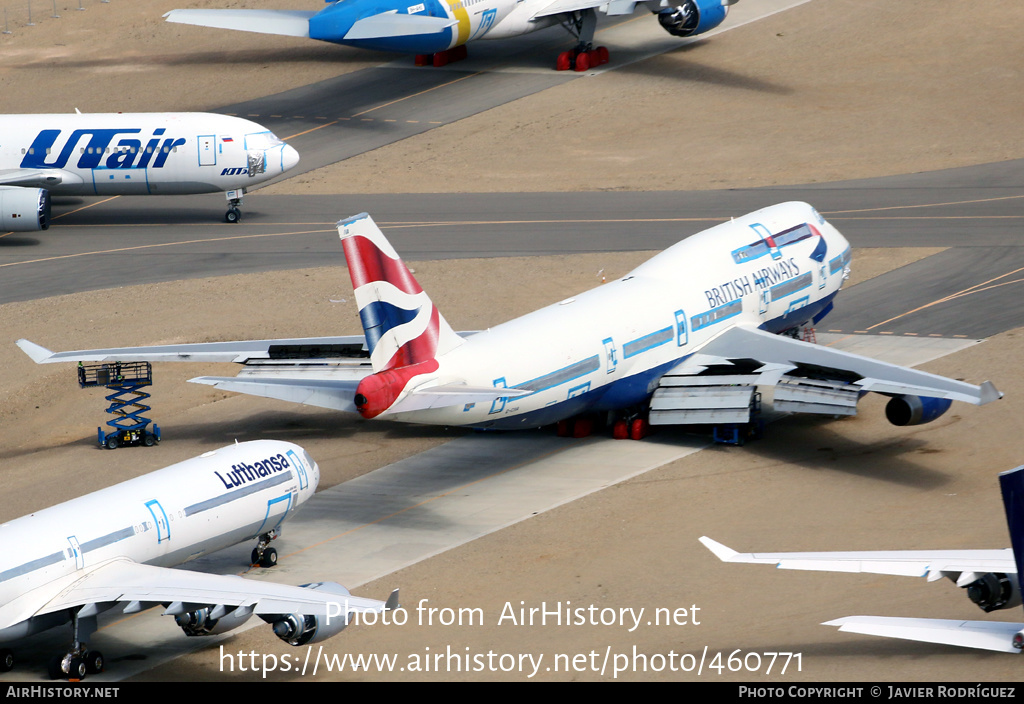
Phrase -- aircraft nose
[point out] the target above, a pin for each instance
(290, 158)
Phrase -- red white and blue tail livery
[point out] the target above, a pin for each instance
(405, 333)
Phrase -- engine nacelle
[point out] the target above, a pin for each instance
(994, 591)
(302, 629)
(200, 623)
(915, 410)
(692, 17)
(24, 209)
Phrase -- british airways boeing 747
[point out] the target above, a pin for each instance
(685, 338)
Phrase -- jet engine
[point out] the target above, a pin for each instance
(693, 16)
(302, 629)
(24, 209)
(915, 410)
(201, 623)
(994, 591)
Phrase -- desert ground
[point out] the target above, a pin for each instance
(829, 90)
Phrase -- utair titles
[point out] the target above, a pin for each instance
(760, 279)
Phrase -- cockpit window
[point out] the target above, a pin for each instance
(262, 140)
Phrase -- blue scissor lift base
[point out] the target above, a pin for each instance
(125, 379)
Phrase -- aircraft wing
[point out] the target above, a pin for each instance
(986, 635)
(749, 343)
(179, 590)
(962, 566)
(558, 7)
(37, 178)
(239, 351)
(290, 23)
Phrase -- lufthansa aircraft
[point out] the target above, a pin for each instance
(114, 549)
(685, 338)
(991, 578)
(437, 31)
(130, 154)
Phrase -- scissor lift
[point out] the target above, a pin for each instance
(125, 379)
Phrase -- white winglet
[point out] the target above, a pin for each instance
(38, 353)
(723, 553)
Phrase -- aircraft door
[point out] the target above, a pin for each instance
(163, 526)
(300, 469)
(76, 551)
(207, 149)
(277, 509)
(682, 336)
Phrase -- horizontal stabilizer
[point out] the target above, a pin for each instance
(289, 23)
(986, 635)
(236, 351)
(392, 24)
(447, 395)
(336, 394)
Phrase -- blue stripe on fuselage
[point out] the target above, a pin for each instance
(637, 388)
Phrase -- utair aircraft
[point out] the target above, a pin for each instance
(991, 578)
(130, 154)
(113, 549)
(437, 31)
(685, 338)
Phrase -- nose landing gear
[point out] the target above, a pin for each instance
(234, 200)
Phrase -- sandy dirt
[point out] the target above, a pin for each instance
(834, 89)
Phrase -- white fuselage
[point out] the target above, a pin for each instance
(142, 153)
(606, 349)
(164, 518)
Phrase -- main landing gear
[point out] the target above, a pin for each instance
(234, 200)
(631, 425)
(442, 58)
(262, 554)
(79, 661)
(583, 56)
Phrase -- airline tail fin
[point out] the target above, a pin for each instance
(402, 325)
(1012, 484)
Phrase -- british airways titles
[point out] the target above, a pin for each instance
(763, 278)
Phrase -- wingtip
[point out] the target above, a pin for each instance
(392, 603)
(989, 393)
(38, 353)
(723, 553)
